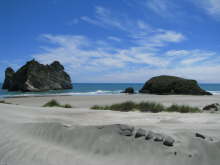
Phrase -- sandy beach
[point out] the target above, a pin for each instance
(31, 134)
(110, 82)
(86, 101)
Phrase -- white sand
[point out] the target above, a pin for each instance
(32, 135)
(88, 101)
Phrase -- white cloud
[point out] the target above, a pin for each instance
(161, 8)
(191, 61)
(212, 7)
(205, 74)
(80, 51)
(89, 20)
(177, 52)
(83, 56)
(167, 36)
(105, 18)
(192, 57)
(73, 22)
(173, 9)
(138, 31)
(102, 61)
(191, 53)
(114, 38)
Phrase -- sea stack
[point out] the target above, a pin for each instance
(36, 77)
(9, 73)
(165, 85)
(128, 90)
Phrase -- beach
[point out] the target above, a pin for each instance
(32, 134)
(112, 82)
(87, 101)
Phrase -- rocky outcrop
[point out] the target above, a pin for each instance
(129, 90)
(130, 131)
(140, 133)
(200, 135)
(9, 73)
(172, 85)
(212, 107)
(35, 77)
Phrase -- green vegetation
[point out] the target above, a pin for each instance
(146, 107)
(54, 103)
(150, 107)
(67, 106)
(125, 107)
(182, 109)
(4, 102)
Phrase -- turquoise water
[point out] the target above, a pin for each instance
(98, 89)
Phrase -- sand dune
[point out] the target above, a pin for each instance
(79, 136)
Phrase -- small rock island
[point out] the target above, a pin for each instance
(168, 85)
(36, 77)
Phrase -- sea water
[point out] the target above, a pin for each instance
(97, 89)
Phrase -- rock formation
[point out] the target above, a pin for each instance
(172, 85)
(130, 131)
(9, 73)
(35, 77)
(128, 90)
(212, 107)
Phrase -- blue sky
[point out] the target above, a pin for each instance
(114, 40)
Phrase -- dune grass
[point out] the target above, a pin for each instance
(55, 103)
(4, 102)
(150, 107)
(146, 107)
(182, 109)
(125, 106)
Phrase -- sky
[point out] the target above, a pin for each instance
(113, 41)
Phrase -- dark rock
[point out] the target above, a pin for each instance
(200, 135)
(212, 107)
(125, 130)
(158, 137)
(168, 141)
(122, 129)
(36, 77)
(126, 133)
(172, 85)
(140, 133)
(9, 73)
(149, 135)
(129, 90)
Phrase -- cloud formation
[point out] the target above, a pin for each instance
(82, 56)
(212, 7)
(170, 8)
(148, 53)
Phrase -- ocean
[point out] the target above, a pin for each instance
(97, 89)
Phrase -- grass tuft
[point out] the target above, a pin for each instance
(150, 107)
(52, 103)
(55, 103)
(124, 107)
(182, 109)
(67, 106)
(98, 107)
(4, 102)
(146, 107)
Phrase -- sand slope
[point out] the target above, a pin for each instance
(45, 136)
